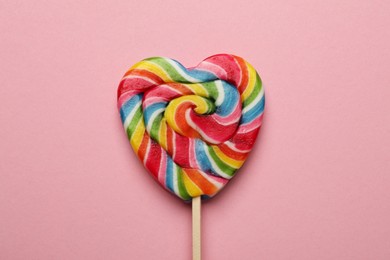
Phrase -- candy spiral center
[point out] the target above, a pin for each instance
(187, 106)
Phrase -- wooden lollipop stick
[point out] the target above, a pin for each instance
(196, 250)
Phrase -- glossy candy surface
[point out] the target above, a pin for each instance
(192, 128)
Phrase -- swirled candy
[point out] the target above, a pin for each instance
(192, 128)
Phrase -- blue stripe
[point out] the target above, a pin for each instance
(148, 112)
(200, 75)
(230, 101)
(169, 174)
(254, 112)
(129, 105)
(201, 156)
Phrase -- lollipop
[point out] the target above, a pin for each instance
(192, 128)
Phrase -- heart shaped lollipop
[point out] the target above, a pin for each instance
(192, 128)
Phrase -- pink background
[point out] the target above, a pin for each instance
(317, 185)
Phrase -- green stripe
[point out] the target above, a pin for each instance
(255, 92)
(134, 122)
(190, 86)
(180, 184)
(210, 107)
(172, 72)
(154, 132)
(226, 168)
(211, 89)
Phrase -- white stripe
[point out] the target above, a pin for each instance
(192, 153)
(191, 156)
(160, 170)
(215, 66)
(147, 152)
(170, 88)
(173, 144)
(151, 100)
(175, 179)
(221, 93)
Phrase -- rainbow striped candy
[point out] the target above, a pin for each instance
(192, 128)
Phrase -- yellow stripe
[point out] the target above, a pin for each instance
(169, 115)
(192, 189)
(198, 89)
(201, 104)
(137, 136)
(251, 82)
(170, 112)
(135, 66)
(163, 134)
(226, 159)
(154, 68)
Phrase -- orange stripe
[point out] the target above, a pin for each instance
(244, 72)
(181, 88)
(231, 153)
(207, 187)
(142, 147)
(170, 143)
(182, 122)
(146, 74)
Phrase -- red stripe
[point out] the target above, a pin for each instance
(212, 128)
(245, 141)
(182, 122)
(231, 153)
(153, 159)
(136, 84)
(146, 74)
(228, 63)
(182, 151)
